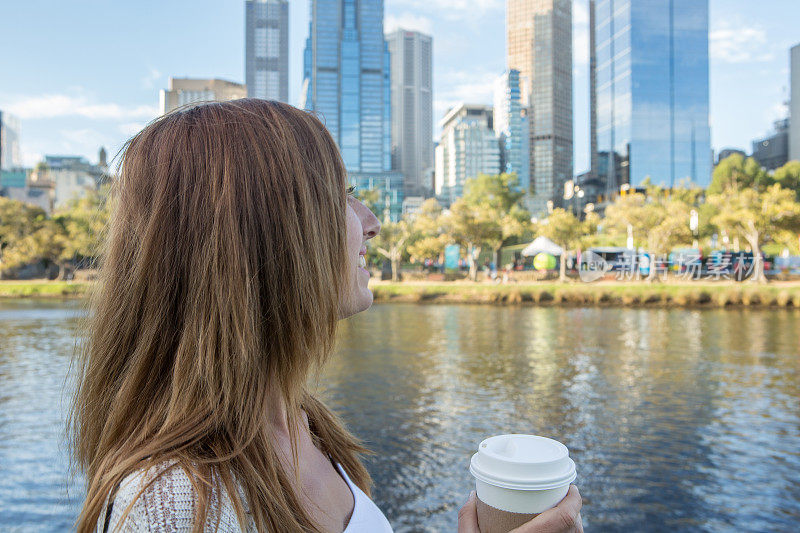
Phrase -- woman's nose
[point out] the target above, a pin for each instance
(370, 223)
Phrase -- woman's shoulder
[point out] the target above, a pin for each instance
(162, 498)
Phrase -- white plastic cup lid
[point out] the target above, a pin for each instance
(523, 462)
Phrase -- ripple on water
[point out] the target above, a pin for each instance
(678, 420)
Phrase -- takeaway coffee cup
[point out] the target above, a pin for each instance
(518, 477)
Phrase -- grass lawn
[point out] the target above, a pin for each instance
(669, 294)
(723, 293)
(43, 288)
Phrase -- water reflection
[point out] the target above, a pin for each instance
(667, 412)
(682, 420)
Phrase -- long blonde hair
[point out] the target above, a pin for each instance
(219, 287)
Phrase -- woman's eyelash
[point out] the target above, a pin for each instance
(351, 190)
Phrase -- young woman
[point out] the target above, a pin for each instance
(233, 251)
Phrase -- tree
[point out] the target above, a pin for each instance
(85, 220)
(17, 220)
(629, 210)
(427, 238)
(567, 231)
(390, 243)
(788, 176)
(472, 227)
(497, 197)
(753, 215)
(740, 173)
(50, 242)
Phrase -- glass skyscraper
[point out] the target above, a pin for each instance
(346, 80)
(511, 127)
(267, 49)
(649, 92)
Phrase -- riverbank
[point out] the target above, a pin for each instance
(44, 289)
(779, 294)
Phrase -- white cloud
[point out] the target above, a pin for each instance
(739, 44)
(62, 105)
(79, 140)
(469, 86)
(149, 80)
(450, 9)
(466, 86)
(408, 21)
(130, 129)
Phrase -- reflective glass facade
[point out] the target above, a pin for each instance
(511, 127)
(346, 70)
(650, 92)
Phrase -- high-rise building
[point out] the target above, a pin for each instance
(346, 69)
(9, 141)
(539, 35)
(794, 103)
(412, 109)
(650, 96)
(468, 147)
(511, 127)
(346, 80)
(266, 45)
(772, 151)
(183, 91)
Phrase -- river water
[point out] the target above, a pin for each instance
(678, 420)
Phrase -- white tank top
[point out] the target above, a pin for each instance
(366, 517)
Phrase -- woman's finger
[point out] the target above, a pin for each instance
(564, 517)
(468, 515)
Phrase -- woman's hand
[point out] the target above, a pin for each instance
(563, 518)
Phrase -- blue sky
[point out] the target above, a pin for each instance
(86, 73)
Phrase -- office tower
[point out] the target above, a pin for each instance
(772, 151)
(267, 49)
(511, 127)
(539, 34)
(346, 80)
(9, 141)
(650, 101)
(412, 109)
(183, 91)
(794, 103)
(467, 148)
(346, 70)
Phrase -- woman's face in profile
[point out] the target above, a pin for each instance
(362, 225)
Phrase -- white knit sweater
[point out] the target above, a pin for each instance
(167, 505)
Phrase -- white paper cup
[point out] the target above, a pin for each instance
(517, 477)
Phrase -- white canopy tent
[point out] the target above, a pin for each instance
(542, 244)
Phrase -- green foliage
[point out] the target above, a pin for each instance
(489, 214)
(756, 216)
(788, 176)
(738, 173)
(71, 234)
(427, 238)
